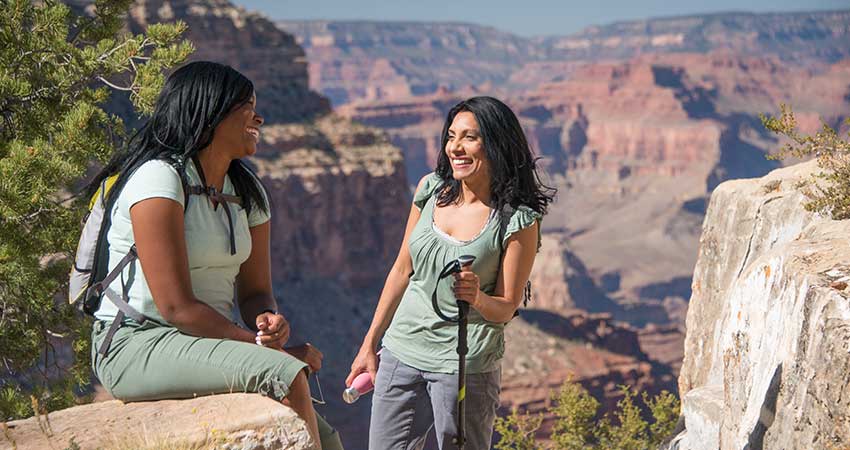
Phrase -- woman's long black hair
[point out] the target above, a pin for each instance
(194, 100)
(514, 179)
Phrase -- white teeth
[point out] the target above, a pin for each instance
(254, 132)
(461, 162)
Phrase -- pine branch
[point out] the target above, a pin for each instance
(113, 86)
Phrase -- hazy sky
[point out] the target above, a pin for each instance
(523, 17)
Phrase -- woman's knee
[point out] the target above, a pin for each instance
(276, 373)
(299, 388)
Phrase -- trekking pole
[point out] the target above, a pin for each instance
(462, 348)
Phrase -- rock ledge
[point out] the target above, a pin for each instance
(228, 421)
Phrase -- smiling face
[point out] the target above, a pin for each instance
(465, 149)
(240, 129)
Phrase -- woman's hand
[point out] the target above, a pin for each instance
(365, 361)
(467, 286)
(273, 330)
(307, 353)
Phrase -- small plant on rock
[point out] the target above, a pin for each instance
(829, 190)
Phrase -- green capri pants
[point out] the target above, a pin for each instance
(156, 362)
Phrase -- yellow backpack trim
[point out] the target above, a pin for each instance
(105, 186)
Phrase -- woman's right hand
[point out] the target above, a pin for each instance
(365, 361)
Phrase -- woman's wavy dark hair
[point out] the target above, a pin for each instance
(194, 100)
(514, 179)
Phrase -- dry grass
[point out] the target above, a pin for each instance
(212, 439)
(163, 443)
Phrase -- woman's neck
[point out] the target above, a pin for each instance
(214, 164)
(477, 190)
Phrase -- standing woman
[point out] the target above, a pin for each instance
(197, 244)
(485, 199)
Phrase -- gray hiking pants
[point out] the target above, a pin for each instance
(408, 402)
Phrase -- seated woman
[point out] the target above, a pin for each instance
(486, 200)
(197, 244)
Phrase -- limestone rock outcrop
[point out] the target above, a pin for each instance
(561, 283)
(413, 124)
(767, 348)
(228, 421)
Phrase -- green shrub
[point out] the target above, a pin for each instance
(829, 190)
(575, 411)
(576, 426)
(517, 431)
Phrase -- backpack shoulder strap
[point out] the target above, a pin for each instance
(180, 166)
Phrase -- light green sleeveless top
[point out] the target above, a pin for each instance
(417, 336)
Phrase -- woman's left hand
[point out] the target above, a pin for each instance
(307, 353)
(467, 286)
(273, 330)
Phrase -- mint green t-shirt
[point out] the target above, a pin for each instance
(212, 268)
(416, 335)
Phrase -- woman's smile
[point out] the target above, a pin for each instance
(461, 163)
(255, 132)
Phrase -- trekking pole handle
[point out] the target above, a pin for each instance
(465, 260)
(454, 266)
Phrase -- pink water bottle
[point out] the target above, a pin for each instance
(362, 384)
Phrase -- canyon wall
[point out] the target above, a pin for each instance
(351, 61)
(249, 42)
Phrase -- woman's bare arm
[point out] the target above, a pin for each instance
(394, 287)
(255, 295)
(254, 282)
(158, 230)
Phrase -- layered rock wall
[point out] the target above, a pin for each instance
(339, 197)
(250, 43)
(372, 61)
(801, 36)
(340, 201)
(351, 61)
